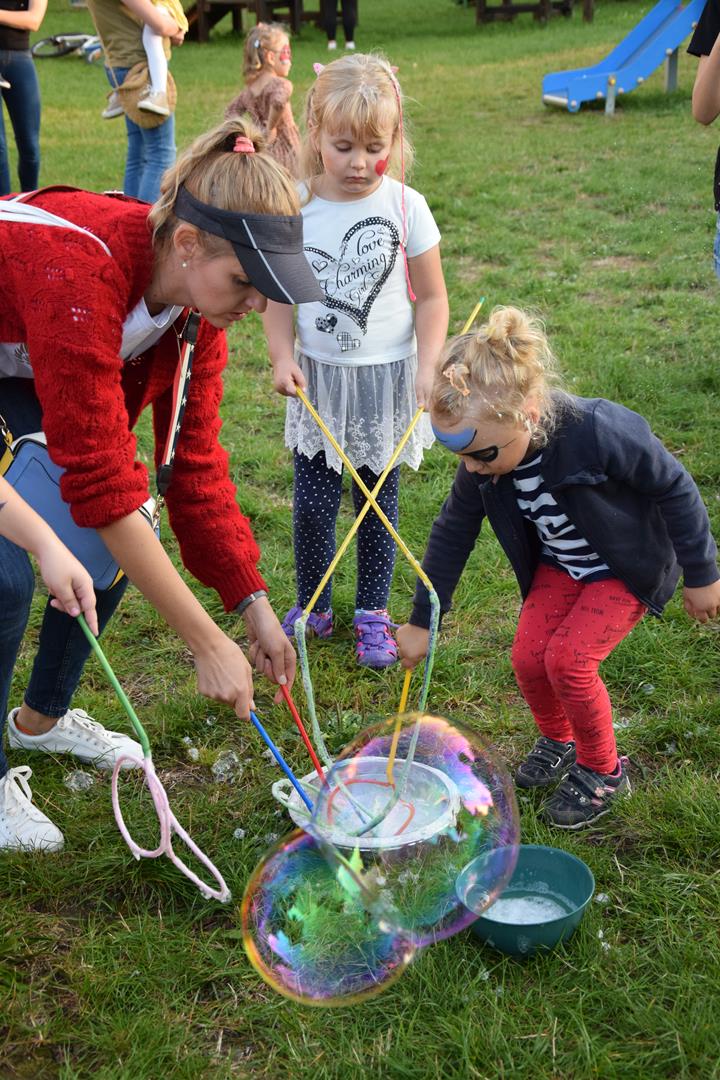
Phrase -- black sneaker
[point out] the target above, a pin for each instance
(547, 762)
(584, 796)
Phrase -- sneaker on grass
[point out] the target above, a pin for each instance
(113, 107)
(319, 624)
(78, 734)
(22, 825)
(547, 762)
(584, 796)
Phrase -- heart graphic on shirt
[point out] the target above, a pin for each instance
(352, 282)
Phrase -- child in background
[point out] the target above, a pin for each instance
(597, 519)
(72, 590)
(155, 97)
(267, 59)
(364, 355)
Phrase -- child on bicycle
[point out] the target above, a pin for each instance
(598, 520)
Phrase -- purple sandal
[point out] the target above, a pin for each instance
(319, 625)
(375, 646)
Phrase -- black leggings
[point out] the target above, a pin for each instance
(315, 510)
(328, 10)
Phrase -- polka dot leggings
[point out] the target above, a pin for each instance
(315, 509)
(566, 630)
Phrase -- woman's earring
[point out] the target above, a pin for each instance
(184, 265)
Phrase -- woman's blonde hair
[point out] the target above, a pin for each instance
(359, 94)
(217, 175)
(262, 38)
(497, 371)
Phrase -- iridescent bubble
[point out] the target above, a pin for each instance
(409, 827)
(314, 932)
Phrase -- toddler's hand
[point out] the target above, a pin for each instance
(68, 582)
(286, 377)
(413, 644)
(702, 604)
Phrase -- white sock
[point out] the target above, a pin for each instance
(157, 61)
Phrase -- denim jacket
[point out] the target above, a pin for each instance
(634, 503)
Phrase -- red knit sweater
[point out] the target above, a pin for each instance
(67, 299)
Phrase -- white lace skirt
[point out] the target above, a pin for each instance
(368, 409)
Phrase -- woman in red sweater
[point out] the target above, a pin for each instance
(96, 290)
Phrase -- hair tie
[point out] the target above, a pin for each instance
(317, 68)
(256, 43)
(459, 371)
(243, 145)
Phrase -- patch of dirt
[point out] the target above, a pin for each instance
(616, 262)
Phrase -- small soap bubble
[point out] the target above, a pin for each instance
(647, 688)
(227, 768)
(602, 898)
(79, 780)
(187, 740)
(269, 755)
(601, 934)
(239, 834)
(193, 753)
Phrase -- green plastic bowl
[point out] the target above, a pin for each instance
(541, 905)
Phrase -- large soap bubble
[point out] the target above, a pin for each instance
(410, 825)
(314, 931)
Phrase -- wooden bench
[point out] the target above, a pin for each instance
(204, 14)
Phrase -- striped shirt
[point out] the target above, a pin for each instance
(561, 544)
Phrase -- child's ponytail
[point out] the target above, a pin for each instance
(262, 37)
(497, 370)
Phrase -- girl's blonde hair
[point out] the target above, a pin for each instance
(217, 175)
(263, 37)
(359, 94)
(497, 371)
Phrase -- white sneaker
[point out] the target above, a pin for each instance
(332, 45)
(349, 44)
(113, 107)
(22, 825)
(155, 101)
(4, 84)
(77, 733)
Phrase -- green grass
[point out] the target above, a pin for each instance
(116, 969)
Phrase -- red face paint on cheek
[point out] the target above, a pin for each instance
(381, 166)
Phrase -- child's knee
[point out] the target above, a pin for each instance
(569, 670)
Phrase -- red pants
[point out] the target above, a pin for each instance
(566, 630)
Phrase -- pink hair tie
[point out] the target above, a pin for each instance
(243, 145)
(317, 68)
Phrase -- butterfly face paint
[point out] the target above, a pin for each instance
(381, 166)
(457, 441)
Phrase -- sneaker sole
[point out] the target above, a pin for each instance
(153, 109)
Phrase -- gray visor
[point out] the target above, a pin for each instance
(269, 247)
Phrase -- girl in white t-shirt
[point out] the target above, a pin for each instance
(366, 354)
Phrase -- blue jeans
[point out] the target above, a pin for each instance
(150, 151)
(22, 102)
(716, 248)
(63, 648)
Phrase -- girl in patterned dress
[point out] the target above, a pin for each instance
(267, 58)
(366, 353)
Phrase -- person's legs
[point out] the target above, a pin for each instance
(375, 547)
(328, 9)
(158, 154)
(23, 105)
(316, 501)
(349, 18)
(133, 160)
(716, 247)
(17, 583)
(157, 61)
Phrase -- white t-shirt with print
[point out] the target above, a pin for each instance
(354, 250)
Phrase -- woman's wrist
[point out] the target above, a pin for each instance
(242, 607)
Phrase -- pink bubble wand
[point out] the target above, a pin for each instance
(169, 824)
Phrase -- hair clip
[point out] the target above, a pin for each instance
(460, 371)
(256, 43)
(317, 68)
(243, 145)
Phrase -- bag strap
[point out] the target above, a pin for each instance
(180, 389)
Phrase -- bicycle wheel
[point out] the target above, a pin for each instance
(58, 45)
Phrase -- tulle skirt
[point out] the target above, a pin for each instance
(367, 408)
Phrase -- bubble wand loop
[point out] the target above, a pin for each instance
(168, 822)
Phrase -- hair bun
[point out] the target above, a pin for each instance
(514, 332)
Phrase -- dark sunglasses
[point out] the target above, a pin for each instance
(487, 454)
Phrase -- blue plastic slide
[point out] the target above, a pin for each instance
(655, 39)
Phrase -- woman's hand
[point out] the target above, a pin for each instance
(287, 376)
(224, 674)
(270, 650)
(702, 604)
(68, 581)
(413, 643)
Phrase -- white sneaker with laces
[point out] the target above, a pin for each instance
(155, 101)
(113, 107)
(332, 45)
(22, 825)
(77, 733)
